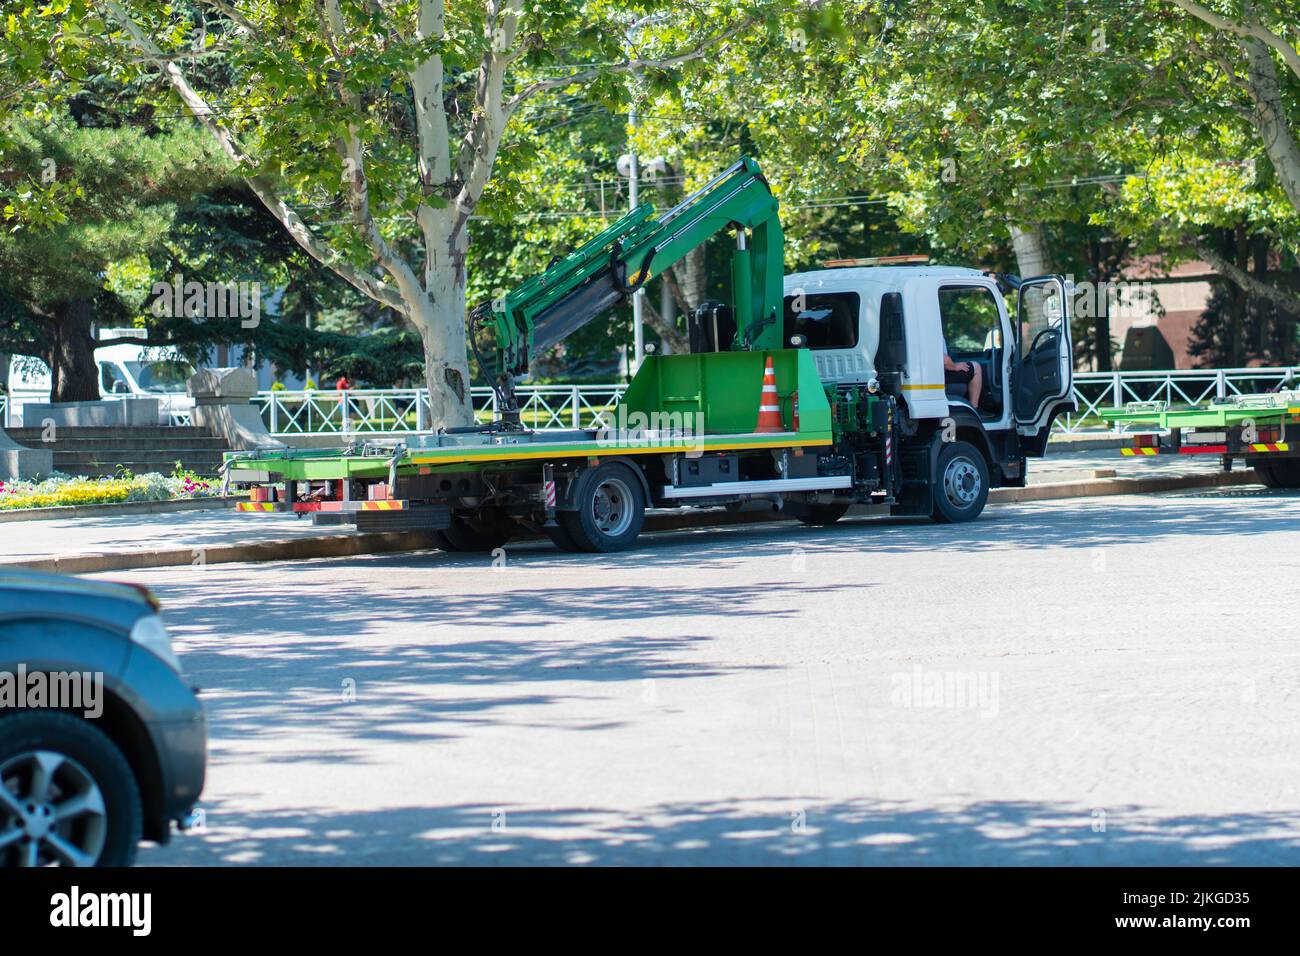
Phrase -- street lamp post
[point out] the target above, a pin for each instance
(633, 178)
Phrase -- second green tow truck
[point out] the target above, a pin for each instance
(812, 392)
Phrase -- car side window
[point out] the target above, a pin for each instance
(110, 379)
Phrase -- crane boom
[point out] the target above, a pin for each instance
(615, 263)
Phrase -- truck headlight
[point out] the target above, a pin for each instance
(151, 634)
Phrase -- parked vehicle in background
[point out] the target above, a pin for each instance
(81, 785)
(1257, 430)
(126, 370)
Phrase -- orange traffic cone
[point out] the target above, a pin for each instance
(769, 408)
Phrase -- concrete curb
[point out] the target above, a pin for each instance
(1098, 487)
(121, 508)
(350, 544)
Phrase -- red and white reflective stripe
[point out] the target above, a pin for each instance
(548, 489)
(889, 450)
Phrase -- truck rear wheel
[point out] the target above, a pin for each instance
(482, 532)
(822, 514)
(1280, 473)
(962, 486)
(610, 509)
(561, 538)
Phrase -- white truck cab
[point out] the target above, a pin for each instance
(890, 323)
(125, 370)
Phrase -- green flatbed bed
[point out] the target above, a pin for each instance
(1272, 408)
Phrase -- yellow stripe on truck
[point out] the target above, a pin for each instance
(1137, 451)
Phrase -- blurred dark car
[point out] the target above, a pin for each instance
(83, 781)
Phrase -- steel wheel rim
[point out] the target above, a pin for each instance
(611, 507)
(961, 482)
(51, 811)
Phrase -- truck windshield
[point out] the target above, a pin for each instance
(827, 320)
(164, 375)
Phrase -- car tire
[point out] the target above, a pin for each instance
(480, 533)
(610, 509)
(49, 759)
(961, 486)
(823, 514)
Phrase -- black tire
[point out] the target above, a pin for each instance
(823, 514)
(81, 762)
(479, 533)
(1279, 473)
(611, 509)
(1264, 472)
(961, 486)
(561, 538)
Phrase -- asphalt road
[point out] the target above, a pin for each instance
(1106, 681)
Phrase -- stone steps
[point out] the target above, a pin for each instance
(105, 451)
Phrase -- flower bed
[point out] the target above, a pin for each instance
(62, 490)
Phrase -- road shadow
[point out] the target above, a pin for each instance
(768, 832)
(422, 664)
(1079, 523)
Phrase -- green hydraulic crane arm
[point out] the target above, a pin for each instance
(615, 263)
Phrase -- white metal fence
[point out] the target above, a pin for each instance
(1097, 390)
(588, 406)
(378, 411)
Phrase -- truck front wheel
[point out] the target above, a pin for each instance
(610, 509)
(962, 485)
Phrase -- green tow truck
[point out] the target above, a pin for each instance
(811, 392)
(1249, 428)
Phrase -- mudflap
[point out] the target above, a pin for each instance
(915, 497)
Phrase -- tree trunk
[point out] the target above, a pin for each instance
(674, 342)
(693, 277)
(439, 315)
(1032, 256)
(667, 316)
(74, 376)
(1271, 120)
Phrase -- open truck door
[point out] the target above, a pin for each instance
(1042, 378)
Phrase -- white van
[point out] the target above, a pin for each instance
(125, 371)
